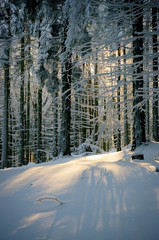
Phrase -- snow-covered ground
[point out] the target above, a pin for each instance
(99, 197)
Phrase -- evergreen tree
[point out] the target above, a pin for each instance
(21, 125)
(5, 15)
(118, 102)
(155, 75)
(126, 124)
(66, 86)
(28, 101)
(138, 83)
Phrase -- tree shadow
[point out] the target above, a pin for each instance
(110, 204)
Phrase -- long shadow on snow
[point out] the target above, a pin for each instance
(110, 201)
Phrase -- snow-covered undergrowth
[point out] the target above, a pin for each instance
(86, 149)
(106, 196)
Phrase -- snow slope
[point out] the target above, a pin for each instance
(100, 197)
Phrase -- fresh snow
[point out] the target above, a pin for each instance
(98, 197)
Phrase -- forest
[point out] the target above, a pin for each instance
(77, 75)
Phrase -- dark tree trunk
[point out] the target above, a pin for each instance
(76, 124)
(39, 126)
(66, 95)
(66, 107)
(6, 94)
(118, 104)
(55, 125)
(155, 76)
(83, 113)
(126, 124)
(28, 111)
(39, 150)
(138, 107)
(147, 104)
(21, 129)
(96, 86)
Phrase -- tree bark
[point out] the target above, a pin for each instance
(55, 125)
(96, 86)
(6, 94)
(66, 107)
(39, 125)
(126, 124)
(118, 103)
(155, 76)
(21, 128)
(138, 106)
(28, 110)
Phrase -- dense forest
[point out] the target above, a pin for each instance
(77, 74)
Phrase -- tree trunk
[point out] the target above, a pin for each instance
(147, 105)
(6, 94)
(1, 117)
(39, 126)
(66, 107)
(138, 111)
(155, 76)
(96, 85)
(118, 103)
(66, 97)
(83, 111)
(28, 111)
(55, 125)
(90, 100)
(21, 127)
(39, 152)
(126, 124)
(11, 159)
(104, 120)
(76, 124)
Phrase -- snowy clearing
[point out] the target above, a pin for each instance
(107, 196)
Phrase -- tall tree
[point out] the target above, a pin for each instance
(66, 88)
(76, 76)
(28, 102)
(147, 65)
(6, 37)
(96, 92)
(126, 124)
(138, 82)
(21, 125)
(118, 101)
(1, 114)
(42, 74)
(39, 121)
(66, 107)
(155, 75)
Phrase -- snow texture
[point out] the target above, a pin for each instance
(106, 196)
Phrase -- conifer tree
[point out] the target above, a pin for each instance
(138, 83)
(155, 75)
(6, 37)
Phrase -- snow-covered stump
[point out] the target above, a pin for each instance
(138, 156)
